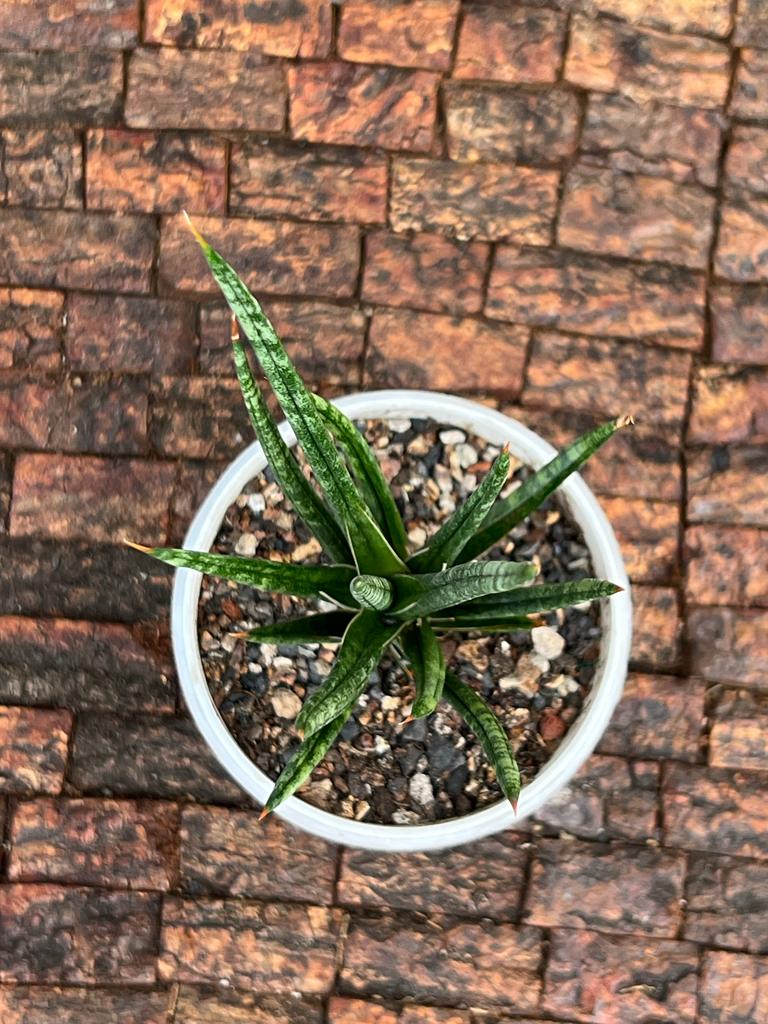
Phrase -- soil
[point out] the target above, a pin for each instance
(381, 770)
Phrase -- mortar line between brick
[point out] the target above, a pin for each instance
(5, 836)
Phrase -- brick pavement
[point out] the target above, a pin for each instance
(560, 207)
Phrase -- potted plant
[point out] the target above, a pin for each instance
(378, 598)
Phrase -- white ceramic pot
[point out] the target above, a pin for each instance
(583, 735)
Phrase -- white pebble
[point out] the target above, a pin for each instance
(256, 502)
(417, 535)
(285, 703)
(454, 436)
(246, 545)
(381, 746)
(420, 790)
(399, 426)
(389, 703)
(547, 642)
(403, 817)
(467, 455)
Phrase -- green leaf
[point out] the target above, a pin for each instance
(326, 627)
(285, 466)
(447, 544)
(373, 592)
(371, 549)
(467, 623)
(426, 657)
(486, 726)
(361, 648)
(367, 472)
(526, 601)
(423, 595)
(511, 510)
(279, 577)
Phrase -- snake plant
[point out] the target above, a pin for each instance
(385, 596)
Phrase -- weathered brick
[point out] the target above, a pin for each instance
(608, 979)
(193, 482)
(507, 124)
(608, 377)
(740, 324)
(737, 733)
(160, 757)
(117, 844)
(40, 1004)
(658, 716)
(518, 45)
(645, 218)
(550, 288)
(280, 28)
(609, 56)
(36, 24)
(463, 962)
(318, 183)
(54, 934)
(435, 1015)
(129, 335)
(303, 259)
(155, 172)
(483, 201)
(750, 90)
(324, 341)
(101, 499)
(727, 565)
(430, 271)
(742, 250)
(707, 17)
(228, 853)
(358, 105)
(681, 143)
(734, 987)
(647, 533)
(730, 405)
(726, 484)
(746, 162)
(342, 1010)
(83, 88)
(200, 89)
(205, 1005)
(74, 416)
(729, 645)
(42, 167)
(657, 628)
(482, 880)
(33, 749)
(613, 888)
(277, 947)
(198, 418)
(725, 903)
(751, 24)
(715, 810)
(31, 324)
(406, 33)
(422, 350)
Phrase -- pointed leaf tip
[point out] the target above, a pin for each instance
(138, 547)
(198, 237)
(514, 805)
(628, 420)
(264, 812)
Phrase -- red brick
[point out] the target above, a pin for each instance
(342, 1010)
(609, 56)
(434, 1015)
(228, 853)
(221, 1005)
(750, 90)
(288, 180)
(38, 25)
(730, 405)
(727, 565)
(60, 88)
(42, 167)
(680, 143)
(405, 33)
(740, 324)
(31, 325)
(605, 979)
(482, 880)
(200, 89)
(729, 645)
(734, 987)
(358, 105)
(737, 732)
(95, 498)
(155, 172)
(113, 843)
(715, 810)
(129, 335)
(304, 259)
(39, 1004)
(725, 902)
(500, 124)
(54, 934)
(657, 628)
(705, 17)
(193, 482)
(444, 353)
(257, 946)
(464, 962)
(742, 250)
(430, 271)
(613, 888)
(636, 216)
(609, 378)
(483, 201)
(659, 717)
(277, 27)
(727, 485)
(746, 163)
(33, 749)
(647, 532)
(521, 45)
(751, 24)
(198, 418)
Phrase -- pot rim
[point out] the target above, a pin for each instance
(583, 735)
